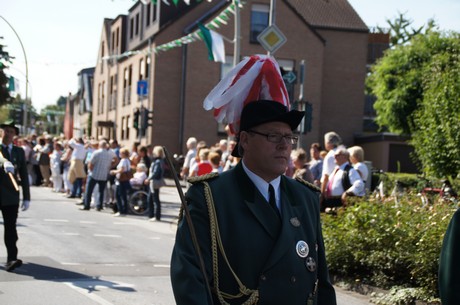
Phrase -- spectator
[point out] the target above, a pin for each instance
(357, 160)
(139, 176)
(215, 159)
(99, 167)
(343, 182)
(299, 160)
(122, 186)
(203, 166)
(156, 181)
(77, 168)
(316, 163)
(55, 164)
(191, 154)
(65, 161)
(144, 158)
(331, 142)
(44, 150)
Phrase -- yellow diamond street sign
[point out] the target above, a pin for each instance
(271, 38)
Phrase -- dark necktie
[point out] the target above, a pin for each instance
(272, 199)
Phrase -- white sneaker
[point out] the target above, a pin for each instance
(153, 219)
(117, 214)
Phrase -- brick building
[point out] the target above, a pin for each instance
(328, 35)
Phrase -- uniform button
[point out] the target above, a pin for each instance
(293, 279)
(263, 277)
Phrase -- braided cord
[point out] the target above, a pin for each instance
(216, 241)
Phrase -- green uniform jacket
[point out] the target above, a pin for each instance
(8, 194)
(449, 263)
(260, 247)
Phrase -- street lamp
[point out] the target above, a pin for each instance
(24, 123)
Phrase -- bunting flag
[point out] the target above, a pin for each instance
(221, 19)
(214, 43)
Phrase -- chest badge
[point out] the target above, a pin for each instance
(295, 222)
(302, 249)
(311, 264)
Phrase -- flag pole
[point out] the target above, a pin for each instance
(236, 46)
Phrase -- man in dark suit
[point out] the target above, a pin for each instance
(258, 231)
(449, 263)
(14, 164)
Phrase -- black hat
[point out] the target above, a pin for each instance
(10, 123)
(264, 111)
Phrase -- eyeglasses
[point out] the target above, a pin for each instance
(276, 138)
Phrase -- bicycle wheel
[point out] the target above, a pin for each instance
(138, 203)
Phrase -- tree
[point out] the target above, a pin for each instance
(397, 79)
(436, 133)
(401, 31)
(5, 59)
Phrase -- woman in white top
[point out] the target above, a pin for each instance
(122, 185)
(357, 160)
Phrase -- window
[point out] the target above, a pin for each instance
(259, 20)
(147, 67)
(154, 15)
(131, 29)
(137, 24)
(118, 37)
(141, 69)
(128, 126)
(123, 123)
(148, 11)
(102, 56)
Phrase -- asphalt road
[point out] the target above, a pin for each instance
(89, 257)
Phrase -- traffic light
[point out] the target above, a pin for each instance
(136, 117)
(146, 120)
(308, 117)
(18, 115)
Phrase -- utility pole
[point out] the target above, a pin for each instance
(271, 16)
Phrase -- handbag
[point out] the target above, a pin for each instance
(125, 176)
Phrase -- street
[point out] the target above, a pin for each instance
(89, 257)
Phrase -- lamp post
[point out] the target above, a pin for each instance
(24, 122)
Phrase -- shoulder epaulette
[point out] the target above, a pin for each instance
(309, 185)
(201, 178)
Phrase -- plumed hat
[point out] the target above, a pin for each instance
(252, 93)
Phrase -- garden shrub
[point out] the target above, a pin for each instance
(384, 245)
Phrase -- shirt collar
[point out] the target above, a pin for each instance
(262, 185)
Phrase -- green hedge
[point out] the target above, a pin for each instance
(384, 245)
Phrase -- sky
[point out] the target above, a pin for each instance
(61, 37)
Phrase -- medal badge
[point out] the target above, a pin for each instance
(302, 249)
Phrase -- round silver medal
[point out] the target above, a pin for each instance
(302, 249)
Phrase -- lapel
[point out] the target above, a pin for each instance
(287, 238)
(257, 204)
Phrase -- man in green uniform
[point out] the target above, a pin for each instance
(259, 232)
(449, 263)
(13, 163)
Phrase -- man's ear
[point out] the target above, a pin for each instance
(243, 139)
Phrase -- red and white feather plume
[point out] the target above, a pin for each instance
(255, 78)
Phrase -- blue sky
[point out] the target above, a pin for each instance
(62, 37)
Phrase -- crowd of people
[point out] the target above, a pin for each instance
(339, 172)
(99, 172)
